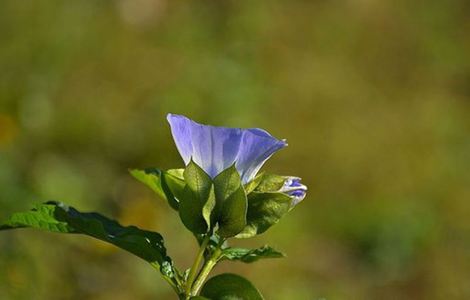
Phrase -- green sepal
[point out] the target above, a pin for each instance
(209, 207)
(232, 217)
(168, 184)
(264, 210)
(229, 286)
(226, 183)
(231, 208)
(250, 255)
(270, 183)
(198, 199)
(253, 184)
(59, 218)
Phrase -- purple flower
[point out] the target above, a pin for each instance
(215, 149)
(294, 189)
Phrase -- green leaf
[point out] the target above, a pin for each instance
(230, 287)
(151, 178)
(264, 210)
(198, 199)
(230, 212)
(173, 183)
(167, 184)
(250, 255)
(57, 217)
(199, 298)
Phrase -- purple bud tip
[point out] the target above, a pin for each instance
(296, 190)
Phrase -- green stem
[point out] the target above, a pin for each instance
(167, 279)
(195, 266)
(206, 269)
(178, 278)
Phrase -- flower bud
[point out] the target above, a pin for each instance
(294, 189)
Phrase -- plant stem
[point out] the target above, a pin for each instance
(167, 279)
(207, 268)
(178, 279)
(196, 264)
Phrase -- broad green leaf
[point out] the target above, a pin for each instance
(264, 210)
(57, 217)
(173, 183)
(151, 178)
(198, 199)
(230, 287)
(167, 184)
(230, 211)
(250, 255)
(199, 298)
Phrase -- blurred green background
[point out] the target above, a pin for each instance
(373, 97)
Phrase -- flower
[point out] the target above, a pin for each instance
(215, 149)
(293, 188)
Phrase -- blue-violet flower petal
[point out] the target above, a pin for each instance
(215, 149)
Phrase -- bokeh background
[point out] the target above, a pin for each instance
(372, 95)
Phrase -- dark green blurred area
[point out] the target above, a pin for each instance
(373, 97)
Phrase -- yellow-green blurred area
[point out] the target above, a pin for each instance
(372, 95)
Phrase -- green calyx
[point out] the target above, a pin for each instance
(222, 204)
